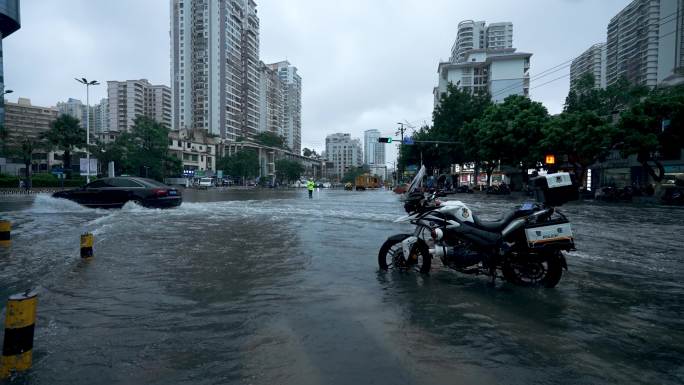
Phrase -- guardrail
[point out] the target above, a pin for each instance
(22, 191)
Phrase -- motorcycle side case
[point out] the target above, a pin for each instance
(555, 189)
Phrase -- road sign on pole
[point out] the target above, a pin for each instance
(408, 141)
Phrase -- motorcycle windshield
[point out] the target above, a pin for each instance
(417, 181)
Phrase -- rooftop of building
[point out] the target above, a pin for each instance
(491, 55)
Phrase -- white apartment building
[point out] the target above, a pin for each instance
(74, 108)
(671, 40)
(645, 42)
(215, 66)
(500, 72)
(592, 61)
(99, 116)
(478, 35)
(291, 84)
(373, 152)
(270, 100)
(344, 152)
(132, 98)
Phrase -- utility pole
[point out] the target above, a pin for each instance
(401, 130)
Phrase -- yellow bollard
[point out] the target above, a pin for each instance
(20, 320)
(5, 229)
(87, 245)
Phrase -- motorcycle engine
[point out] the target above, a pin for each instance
(462, 256)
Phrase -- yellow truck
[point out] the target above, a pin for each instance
(367, 181)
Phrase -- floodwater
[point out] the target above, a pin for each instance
(247, 287)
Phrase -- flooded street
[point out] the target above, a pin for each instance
(269, 287)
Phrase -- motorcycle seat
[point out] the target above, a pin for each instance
(498, 225)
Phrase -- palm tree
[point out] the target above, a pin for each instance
(66, 134)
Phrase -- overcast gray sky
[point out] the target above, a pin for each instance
(364, 63)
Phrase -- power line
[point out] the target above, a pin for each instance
(664, 20)
(538, 76)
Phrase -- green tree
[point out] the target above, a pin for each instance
(270, 139)
(510, 132)
(288, 170)
(65, 134)
(143, 151)
(583, 136)
(654, 128)
(457, 108)
(244, 163)
(4, 135)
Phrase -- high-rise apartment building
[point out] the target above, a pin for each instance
(344, 152)
(478, 35)
(671, 40)
(74, 108)
(373, 152)
(291, 84)
(645, 42)
(592, 61)
(499, 35)
(215, 66)
(270, 100)
(99, 116)
(483, 60)
(131, 98)
(500, 72)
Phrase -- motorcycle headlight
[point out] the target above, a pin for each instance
(436, 234)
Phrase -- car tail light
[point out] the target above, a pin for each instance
(159, 192)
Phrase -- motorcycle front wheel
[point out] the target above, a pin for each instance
(543, 270)
(391, 256)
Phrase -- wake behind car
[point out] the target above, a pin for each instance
(116, 192)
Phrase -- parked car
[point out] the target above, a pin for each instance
(205, 183)
(116, 192)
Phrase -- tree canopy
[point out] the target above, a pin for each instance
(288, 170)
(65, 134)
(143, 151)
(244, 164)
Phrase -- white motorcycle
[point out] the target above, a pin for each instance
(526, 245)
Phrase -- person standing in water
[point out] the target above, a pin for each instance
(310, 186)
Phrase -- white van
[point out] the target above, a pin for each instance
(205, 183)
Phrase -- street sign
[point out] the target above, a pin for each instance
(219, 174)
(408, 141)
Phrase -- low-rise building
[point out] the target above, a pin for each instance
(196, 149)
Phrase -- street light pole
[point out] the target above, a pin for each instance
(87, 84)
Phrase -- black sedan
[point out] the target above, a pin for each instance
(115, 192)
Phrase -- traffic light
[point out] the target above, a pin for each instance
(384, 140)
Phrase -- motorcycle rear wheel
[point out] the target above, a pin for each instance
(544, 270)
(391, 257)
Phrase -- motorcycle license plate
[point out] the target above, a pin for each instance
(545, 234)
